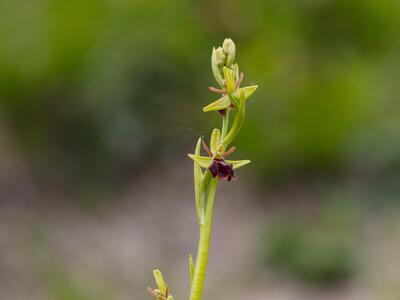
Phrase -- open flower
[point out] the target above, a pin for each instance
(228, 101)
(215, 161)
(220, 167)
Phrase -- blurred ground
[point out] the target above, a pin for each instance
(61, 251)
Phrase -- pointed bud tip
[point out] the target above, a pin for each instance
(162, 286)
(229, 49)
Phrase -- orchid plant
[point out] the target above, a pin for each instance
(214, 166)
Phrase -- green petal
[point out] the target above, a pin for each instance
(220, 104)
(203, 161)
(238, 163)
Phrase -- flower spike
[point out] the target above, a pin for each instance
(209, 170)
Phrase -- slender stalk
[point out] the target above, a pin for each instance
(204, 244)
(225, 124)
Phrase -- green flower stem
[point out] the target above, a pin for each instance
(225, 124)
(204, 244)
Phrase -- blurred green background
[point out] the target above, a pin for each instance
(100, 101)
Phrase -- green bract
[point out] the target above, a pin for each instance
(198, 187)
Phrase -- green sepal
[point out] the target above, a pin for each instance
(230, 81)
(248, 91)
(236, 164)
(198, 185)
(203, 161)
(191, 268)
(215, 140)
(220, 104)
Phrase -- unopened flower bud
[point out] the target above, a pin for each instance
(229, 49)
(220, 56)
(162, 286)
(215, 65)
(235, 68)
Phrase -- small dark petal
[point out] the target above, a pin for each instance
(222, 112)
(232, 177)
(225, 168)
(214, 168)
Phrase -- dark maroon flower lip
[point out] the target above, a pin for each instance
(219, 167)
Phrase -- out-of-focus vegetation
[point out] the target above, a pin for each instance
(319, 248)
(104, 87)
(94, 92)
